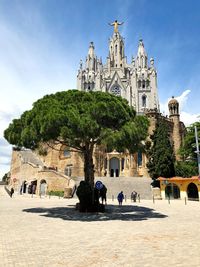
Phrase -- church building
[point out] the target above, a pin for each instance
(135, 81)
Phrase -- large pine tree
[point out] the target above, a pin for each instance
(161, 156)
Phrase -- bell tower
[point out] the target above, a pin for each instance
(174, 116)
(116, 51)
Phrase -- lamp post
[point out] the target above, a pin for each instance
(197, 145)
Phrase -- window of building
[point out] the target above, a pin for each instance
(115, 49)
(66, 152)
(144, 101)
(68, 170)
(115, 90)
(143, 84)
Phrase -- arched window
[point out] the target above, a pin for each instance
(143, 84)
(115, 49)
(144, 101)
(139, 84)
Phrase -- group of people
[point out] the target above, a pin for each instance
(120, 197)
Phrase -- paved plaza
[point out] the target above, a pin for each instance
(49, 232)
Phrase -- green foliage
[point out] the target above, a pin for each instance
(188, 148)
(56, 193)
(186, 169)
(160, 155)
(6, 177)
(79, 120)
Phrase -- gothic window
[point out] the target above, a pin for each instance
(115, 90)
(144, 101)
(147, 83)
(115, 49)
(143, 84)
(121, 50)
(139, 84)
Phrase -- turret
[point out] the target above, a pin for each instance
(173, 106)
(141, 56)
(91, 60)
(116, 51)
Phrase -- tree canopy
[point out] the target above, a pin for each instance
(79, 120)
(161, 155)
(188, 148)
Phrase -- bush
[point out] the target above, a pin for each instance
(56, 193)
(186, 169)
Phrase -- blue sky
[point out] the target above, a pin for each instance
(42, 42)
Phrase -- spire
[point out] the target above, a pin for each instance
(91, 50)
(91, 59)
(141, 55)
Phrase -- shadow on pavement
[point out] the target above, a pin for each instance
(123, 213)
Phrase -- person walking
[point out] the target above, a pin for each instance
(134, 196)
(120, 198)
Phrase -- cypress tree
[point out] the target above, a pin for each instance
(161, 156)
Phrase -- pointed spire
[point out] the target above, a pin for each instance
(141, 55)
(91, 59)
(91, 50)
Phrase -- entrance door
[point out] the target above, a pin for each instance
(172, 191)
(43, 186)
(192, 192)
(114, 167)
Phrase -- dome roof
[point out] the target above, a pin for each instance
(173, 101)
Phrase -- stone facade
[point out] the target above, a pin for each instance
(137, 81)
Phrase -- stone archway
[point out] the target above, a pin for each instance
(114, 167)
(192, 192)
(172, 191)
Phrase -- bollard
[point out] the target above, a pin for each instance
(125, 198)
(32, 195)
(153, 200)
(139, 198)
(112, 198)
(49, 195)
(168, 200)
(185, 201)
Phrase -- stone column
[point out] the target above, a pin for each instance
(108, 167)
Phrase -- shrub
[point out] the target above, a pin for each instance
(186, 169)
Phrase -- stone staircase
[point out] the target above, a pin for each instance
(141, 185)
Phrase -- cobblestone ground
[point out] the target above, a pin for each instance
(49, 232)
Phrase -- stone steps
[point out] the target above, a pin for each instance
(141, 185)
(29, 157)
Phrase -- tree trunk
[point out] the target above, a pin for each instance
(88, 165)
